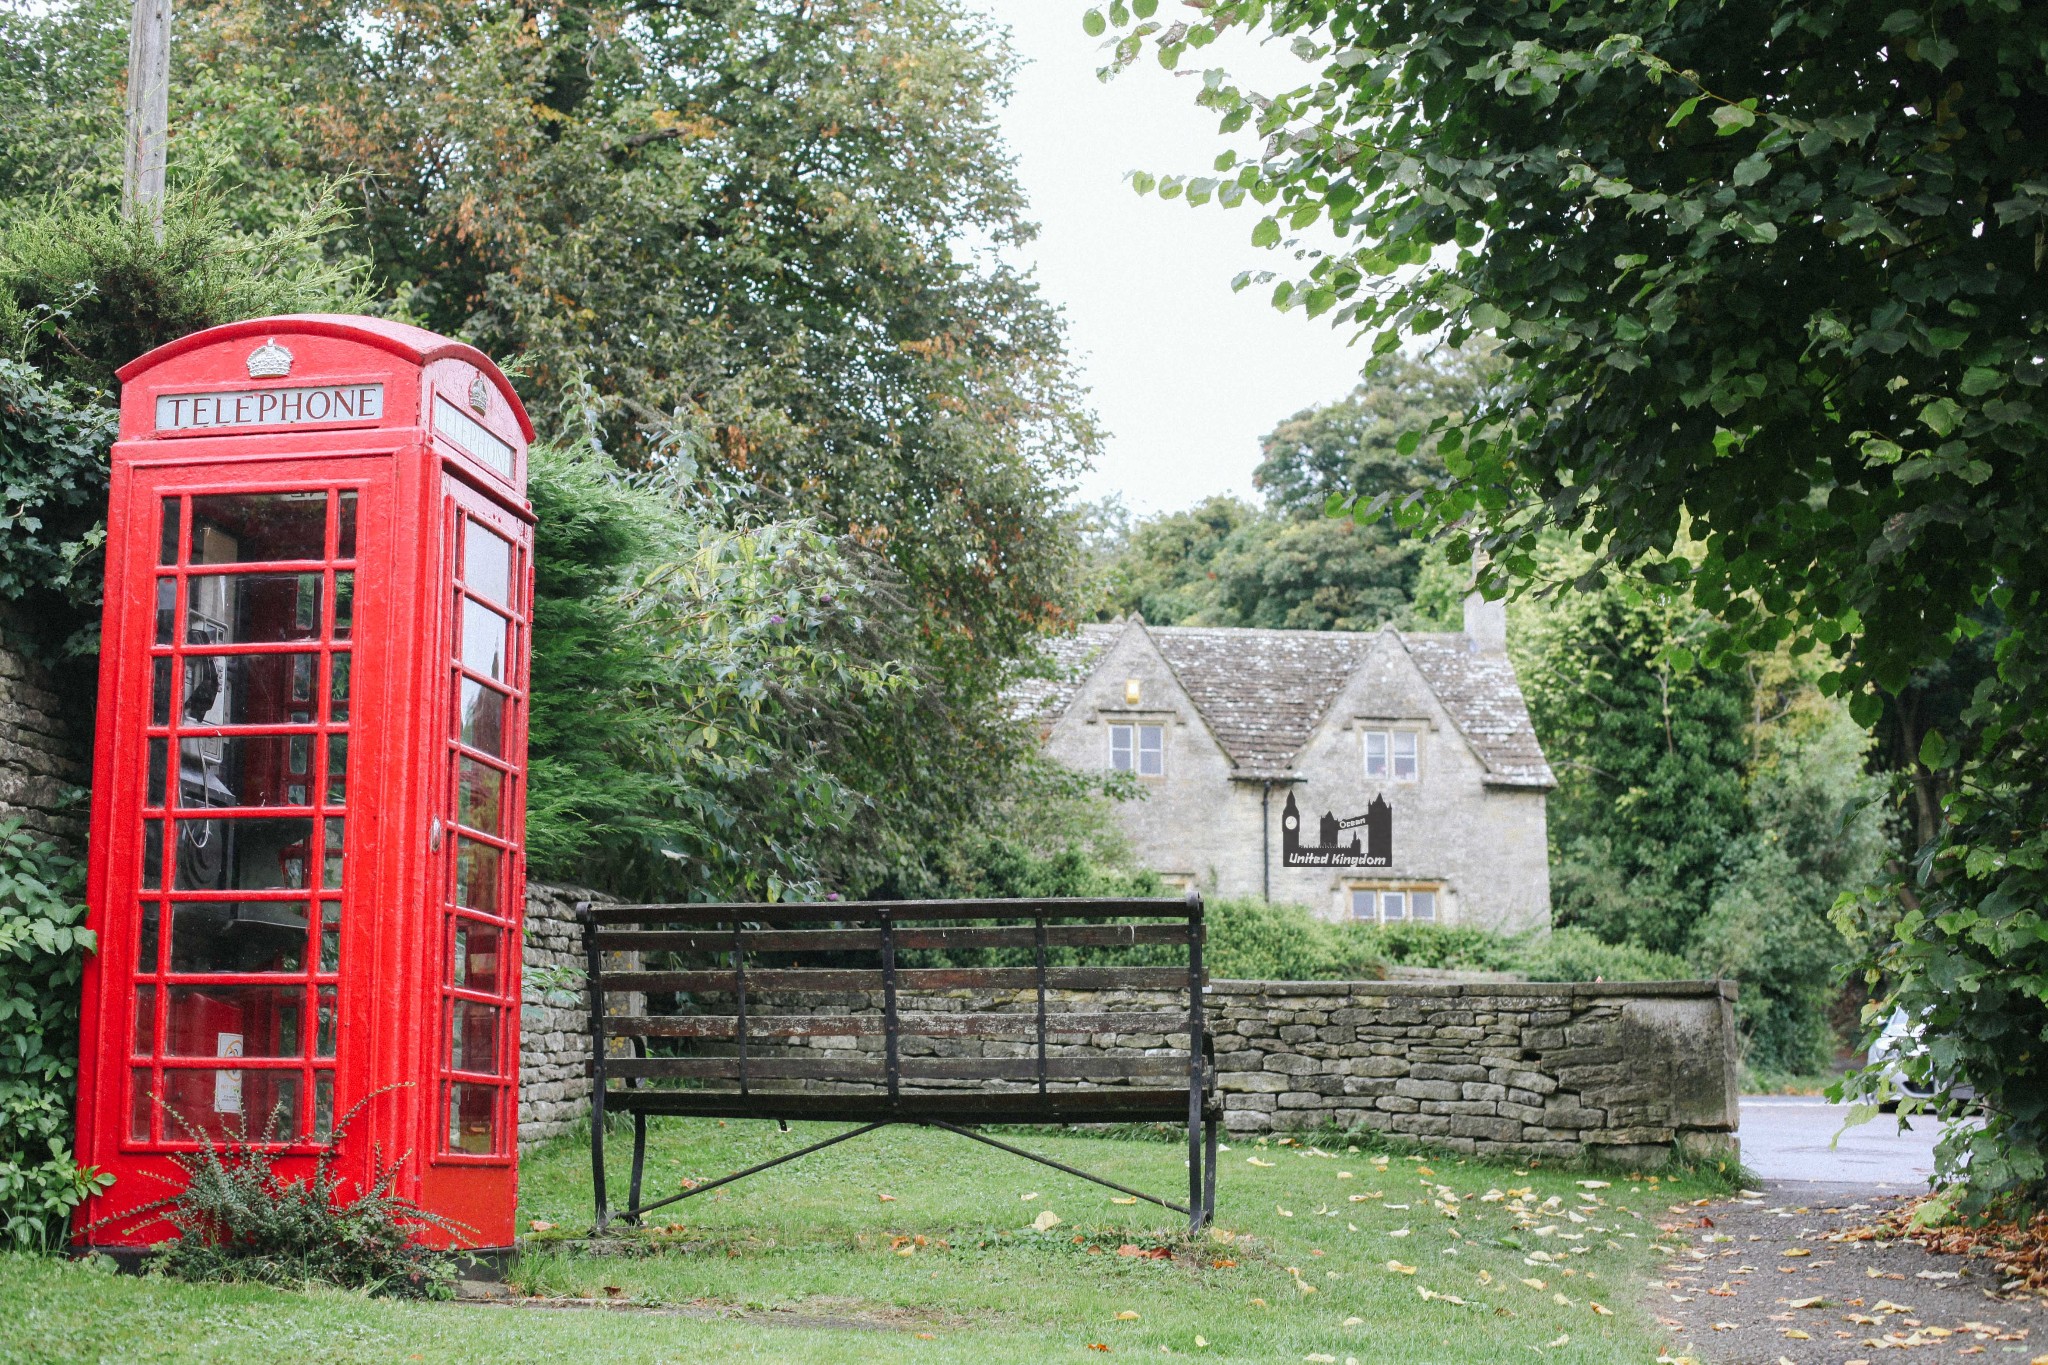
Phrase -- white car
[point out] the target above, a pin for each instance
(1899, 1041)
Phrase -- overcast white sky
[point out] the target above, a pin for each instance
(1185, 375)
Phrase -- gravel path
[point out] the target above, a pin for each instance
(1759, 1283)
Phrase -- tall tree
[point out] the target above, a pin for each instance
(1286, 565)
(1767, 274)
(760, 238)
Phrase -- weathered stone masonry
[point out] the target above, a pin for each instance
(1631, 1072)
(42, 764)
(1627, 1071)
(554, 1023)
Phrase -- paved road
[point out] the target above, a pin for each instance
(1792, 1138)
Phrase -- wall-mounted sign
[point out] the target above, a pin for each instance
(1354, 841)
(471, 435)
(269, 407)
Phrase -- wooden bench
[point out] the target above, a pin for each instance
(762, 980)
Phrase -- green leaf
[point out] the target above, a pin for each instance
(1752, 168)
(1684, 112)
(1732, 118)
(1936, 51)
(1942, 416)
(1093, 24)
(1267, 233)
(1979, 379)
(1936, 752)
(1143, 181)
(1144, 9)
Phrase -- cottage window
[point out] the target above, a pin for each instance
(1139, 749)
(1390, 754)
(1394, 904)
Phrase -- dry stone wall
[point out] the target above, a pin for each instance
(42, 763)
(1627, 1071)
(554, 1021)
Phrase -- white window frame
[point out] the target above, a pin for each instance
(1397, 749)
(1373, 899)
(1138, 747)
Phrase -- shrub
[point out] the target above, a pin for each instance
(1579, 955)
(238, 1219)
(1256, 941)
(43, 943)
(1443, 945)
(1252, 940)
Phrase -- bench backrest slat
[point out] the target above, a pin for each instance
(825, 912)
(965, 1024)
(852, 940)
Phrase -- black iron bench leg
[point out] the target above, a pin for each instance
(632, 1214)
(1208, 1204)
(604, 1213)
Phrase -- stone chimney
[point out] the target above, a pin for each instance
(1486, 624)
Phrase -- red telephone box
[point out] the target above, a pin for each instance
(308, 787)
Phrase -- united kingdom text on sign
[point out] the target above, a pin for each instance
(323, 404)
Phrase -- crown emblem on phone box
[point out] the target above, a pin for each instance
(270, 361)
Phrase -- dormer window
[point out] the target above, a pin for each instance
(1390, 756)
(1139, 749)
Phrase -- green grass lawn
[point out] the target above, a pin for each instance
(1321, 1255)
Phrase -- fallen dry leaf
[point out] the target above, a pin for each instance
(1254, 1161)
(1814, 1302)
(1127, 1316)
(1563, 1339)
(1602, 1309)
(926, 1336)
(1537, 1284)
(1796, 1334)
(886, 1198)
(1201, 1341)
(1400, 1269)
(1098, 1346)
(541, 1225)
(1353, 1322)
(1724, 1327)
(1123, 1199)
(1046, 1221)
(1797, 1251)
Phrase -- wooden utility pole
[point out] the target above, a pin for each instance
(149, 109)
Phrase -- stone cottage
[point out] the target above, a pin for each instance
(1388, 776)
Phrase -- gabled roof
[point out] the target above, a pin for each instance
(1263, 693)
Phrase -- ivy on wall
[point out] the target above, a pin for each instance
(43, 943)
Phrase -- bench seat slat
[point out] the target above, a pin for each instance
(978, 1024)
(907, 979)
(1107, 1105)
(852, 940)
(909, 1068)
